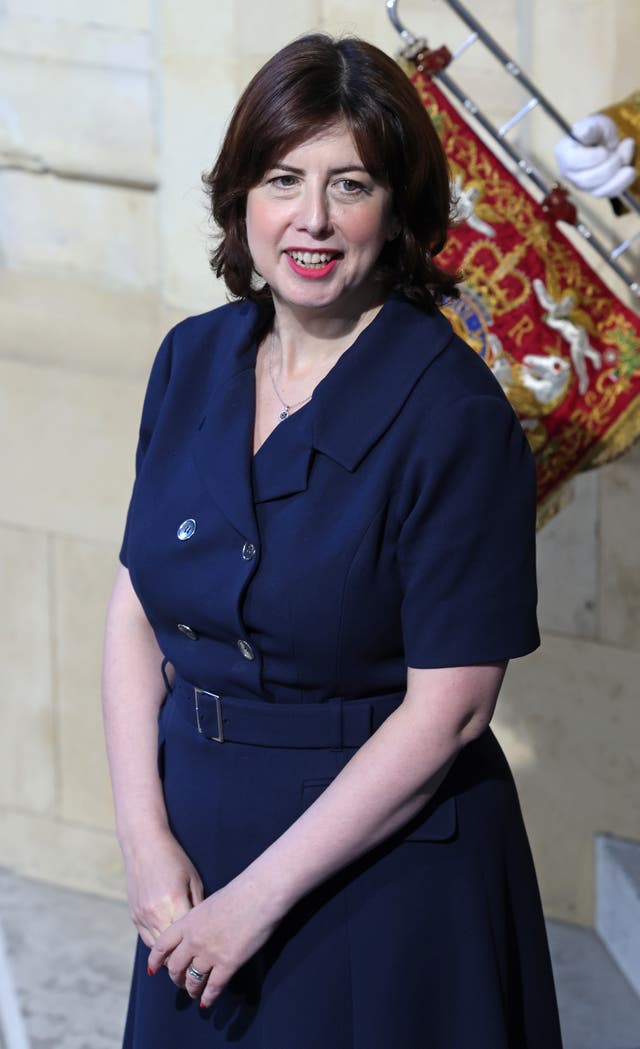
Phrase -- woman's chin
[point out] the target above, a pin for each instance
(327, 299)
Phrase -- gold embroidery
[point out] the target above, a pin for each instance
(570, 363)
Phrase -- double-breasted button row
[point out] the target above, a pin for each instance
(185, 530)
(193, 635)
(188, 528)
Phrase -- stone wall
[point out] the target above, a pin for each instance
(108, 115)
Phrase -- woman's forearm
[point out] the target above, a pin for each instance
(382, 786)
(132, 690)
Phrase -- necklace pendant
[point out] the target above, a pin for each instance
(283, 414)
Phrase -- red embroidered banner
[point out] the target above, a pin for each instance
(565, 350)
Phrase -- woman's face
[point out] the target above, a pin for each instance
(316, 224)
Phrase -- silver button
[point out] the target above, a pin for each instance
(186, 529)
(248, 551)
(246, 649)
(188, 631)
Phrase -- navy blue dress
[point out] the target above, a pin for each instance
(390, 522)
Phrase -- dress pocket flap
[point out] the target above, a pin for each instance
(437, 821)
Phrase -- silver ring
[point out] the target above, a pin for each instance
(196, 975)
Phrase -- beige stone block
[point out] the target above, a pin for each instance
(569, 720)
(102, 232)
(568, 563)
(199, 30)
(262, 29)
(27, 740)
(72, 440)
(60, 320)
(570, 45)
(55, 40)
(124, 14)
(83, 574)
(90, 121)
(197, 93)
(78, 857)
(620, 573)
(626, 28)
(189, 147)
(369, 21)
(198, 90)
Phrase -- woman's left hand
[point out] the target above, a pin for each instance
(216, 937)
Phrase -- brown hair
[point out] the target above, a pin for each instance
(309, 85)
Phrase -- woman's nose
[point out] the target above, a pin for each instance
(314, 214)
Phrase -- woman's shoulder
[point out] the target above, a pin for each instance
(454, 370)
(460, 372)
(197, 354)
(207, 348)
(457, 401)
(220, 328)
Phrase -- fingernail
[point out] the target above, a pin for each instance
(150, 971)
(202, 1005)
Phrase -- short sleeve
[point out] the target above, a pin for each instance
(467, 545)
(154, 396)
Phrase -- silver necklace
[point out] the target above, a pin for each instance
(286, 408)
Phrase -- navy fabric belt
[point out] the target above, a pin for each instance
(335, 723)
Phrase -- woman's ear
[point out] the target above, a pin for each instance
(395, 228)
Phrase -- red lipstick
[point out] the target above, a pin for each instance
(312, 272)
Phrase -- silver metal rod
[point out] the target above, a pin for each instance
(508, 63)
(464, 46)
(625, 244)
(534, 175)
(511, 67)
(538, 99)
(524, 165)
(517, 117)
(631, 203)
(407, 36)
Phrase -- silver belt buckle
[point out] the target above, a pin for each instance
(203, 692)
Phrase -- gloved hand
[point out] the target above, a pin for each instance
(598, 162)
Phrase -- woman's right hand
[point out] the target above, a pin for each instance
(162, 884)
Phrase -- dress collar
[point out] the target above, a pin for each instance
(350, 409)
(362, 394)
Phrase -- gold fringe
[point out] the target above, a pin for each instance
(624, 432)
(617, 440)
(553, 504)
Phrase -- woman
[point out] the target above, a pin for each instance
(331, 543)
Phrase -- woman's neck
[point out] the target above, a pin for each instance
(308, 340)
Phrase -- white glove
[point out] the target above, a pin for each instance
(598, 162)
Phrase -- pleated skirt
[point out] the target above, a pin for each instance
(435, 939)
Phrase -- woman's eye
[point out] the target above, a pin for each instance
(351, 186)
(283, 181)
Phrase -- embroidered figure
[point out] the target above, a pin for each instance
(558, 318)
(536, 385)
(464, 207)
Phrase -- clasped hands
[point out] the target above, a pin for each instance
(215, 935)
